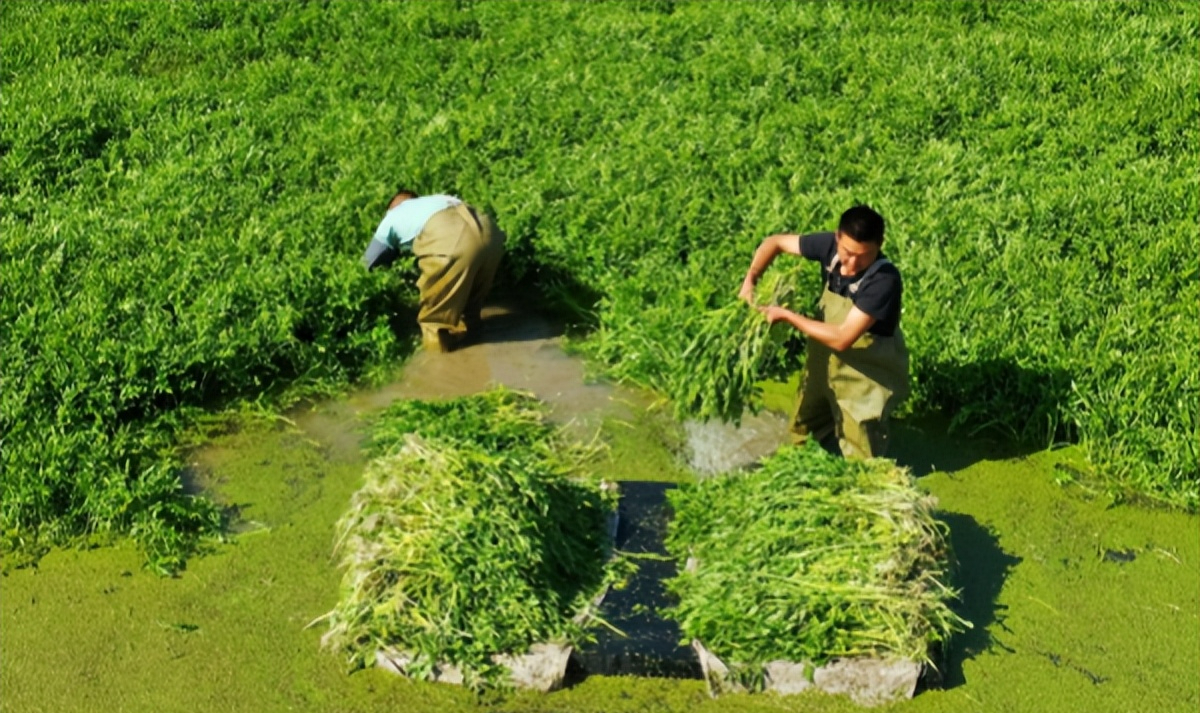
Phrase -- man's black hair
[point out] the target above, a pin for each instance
(862, 224)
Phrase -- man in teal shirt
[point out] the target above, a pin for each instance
(458, 251)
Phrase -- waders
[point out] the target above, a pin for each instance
(458, 252)
(850, 395)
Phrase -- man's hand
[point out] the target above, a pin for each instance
(775, 313)
(747, 291)
(838, 337)
(764, 255)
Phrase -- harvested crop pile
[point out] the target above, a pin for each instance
(731, 352)
(476, 533)
(810, 558)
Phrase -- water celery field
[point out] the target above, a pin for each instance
(186, 188)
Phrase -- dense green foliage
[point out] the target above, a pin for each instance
(497, 420)
(808, 558)
(733, 350)
(186, 187)
(466, 542)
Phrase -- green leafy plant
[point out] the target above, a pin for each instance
(810, 557)
(732, 351)
(476, 533)
(186, 187)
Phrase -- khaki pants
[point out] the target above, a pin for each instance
(458, 252)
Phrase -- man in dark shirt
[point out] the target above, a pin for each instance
(856, 368)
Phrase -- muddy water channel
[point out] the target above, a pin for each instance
(522, 350)
(1078, 604)
(517, 349)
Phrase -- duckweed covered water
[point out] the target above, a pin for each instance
(1078, 606)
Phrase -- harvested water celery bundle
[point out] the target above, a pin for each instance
(811, 558)
(499, 420)
(726, 359)
(480, 538)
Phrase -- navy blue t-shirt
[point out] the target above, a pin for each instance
(879, 297)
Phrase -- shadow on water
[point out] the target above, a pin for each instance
(930, 444)
(641, 640)
(508, 320)
(1010, 409)
(980, 572)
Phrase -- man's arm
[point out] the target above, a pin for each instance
(763, 256)
(382, 250)
(838, 337)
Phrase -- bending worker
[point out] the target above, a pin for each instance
(458, 250)
(856, 369)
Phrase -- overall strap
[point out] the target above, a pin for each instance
(874, 268)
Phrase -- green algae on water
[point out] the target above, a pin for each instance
(1047, 606)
